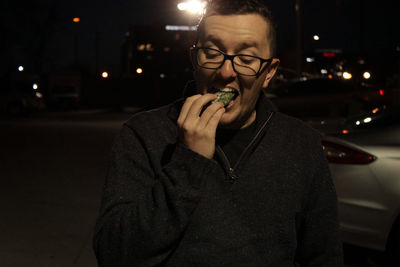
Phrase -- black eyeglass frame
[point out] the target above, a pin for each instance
(195, 49)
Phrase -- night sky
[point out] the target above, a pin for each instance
(33, 28)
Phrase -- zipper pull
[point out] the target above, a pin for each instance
(232, 176)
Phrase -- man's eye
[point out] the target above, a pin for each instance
(211, 53)
(246, 59)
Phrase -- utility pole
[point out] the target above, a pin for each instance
(76, 21)
(298, 37)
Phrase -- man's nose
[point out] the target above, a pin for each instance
(226, 71)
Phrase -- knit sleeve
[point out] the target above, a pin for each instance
(318, 235)
(145, 210)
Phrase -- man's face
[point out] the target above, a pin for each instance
(236, 34)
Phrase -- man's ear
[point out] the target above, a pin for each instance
(271, 72)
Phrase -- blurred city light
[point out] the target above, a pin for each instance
(381, 92)
(76, 19)
(324, 71)
(162, 75)
(35, 86)
(316, 37)
(104, 74)
(375, 110)
(20, 68)
(180, 28)
(367, 120)
(328, 54)
(358, 122)
(139, 70)
(367, 75)
(347, 75)
(194, 7)
(310, 59)
(39, 95)
(345, 131)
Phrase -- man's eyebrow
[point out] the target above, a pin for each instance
(248, 44)
(213, 39)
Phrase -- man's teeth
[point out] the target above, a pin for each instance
(226, 90)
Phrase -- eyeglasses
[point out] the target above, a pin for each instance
(210, 58)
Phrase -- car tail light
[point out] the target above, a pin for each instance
(381, 92)
(337, 153)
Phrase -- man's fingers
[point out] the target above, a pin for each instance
(186, 107)
(214, 120)
(198, 104)
(209, 113)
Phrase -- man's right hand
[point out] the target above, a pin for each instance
(198, 132)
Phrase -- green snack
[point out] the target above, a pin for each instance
(225, 97)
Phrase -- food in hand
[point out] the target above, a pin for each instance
(225, 96)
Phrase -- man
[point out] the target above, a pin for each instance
(197, 183)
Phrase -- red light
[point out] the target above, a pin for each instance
(381, 92)
(336, 153)
(328, 54)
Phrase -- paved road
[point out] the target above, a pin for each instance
(52, 168)
(52, 172)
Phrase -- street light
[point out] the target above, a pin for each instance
(20, 68)
(104, 75)
(366, 75)
(316, 37)
(347, 75)
(193, 6)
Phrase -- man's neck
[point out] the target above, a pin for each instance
(250, 120)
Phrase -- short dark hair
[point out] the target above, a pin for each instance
(240, 7)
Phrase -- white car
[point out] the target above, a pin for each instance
(365, 164)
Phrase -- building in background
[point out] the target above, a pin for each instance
(157, 57)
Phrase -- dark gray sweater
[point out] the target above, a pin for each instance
(166, 205)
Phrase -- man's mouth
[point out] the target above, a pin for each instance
(225, 95)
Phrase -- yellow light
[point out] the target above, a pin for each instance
(76, 19)
(104, 74)
(139, 70)
(345, 131)
(367, 75)
(194, 7)
(375, 110)
(347, 75)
